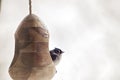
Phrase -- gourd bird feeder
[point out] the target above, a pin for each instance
(32, 60)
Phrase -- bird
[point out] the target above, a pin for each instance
(56, 55)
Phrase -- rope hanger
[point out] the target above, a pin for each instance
(30, 7)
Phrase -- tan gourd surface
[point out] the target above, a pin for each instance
(32, 60)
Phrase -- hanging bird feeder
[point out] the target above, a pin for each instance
(32, 60)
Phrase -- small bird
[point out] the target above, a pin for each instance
(56, 55)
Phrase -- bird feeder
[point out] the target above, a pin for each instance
(32, 60)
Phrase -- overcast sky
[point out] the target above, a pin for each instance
(87, 30)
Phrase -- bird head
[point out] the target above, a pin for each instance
(57, 51)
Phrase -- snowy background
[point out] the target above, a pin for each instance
(87, 30)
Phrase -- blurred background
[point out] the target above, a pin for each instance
(87, 30)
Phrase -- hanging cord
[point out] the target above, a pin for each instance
(30, 7)
(0, 5)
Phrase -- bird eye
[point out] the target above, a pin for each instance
(57, 51)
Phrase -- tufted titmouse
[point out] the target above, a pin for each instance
(56, 55)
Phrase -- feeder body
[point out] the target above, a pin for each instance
(32, 59)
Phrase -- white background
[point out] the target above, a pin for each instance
(87, 30)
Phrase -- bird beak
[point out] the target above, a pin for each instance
(62, 51)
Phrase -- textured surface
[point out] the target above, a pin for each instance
(32, 59)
